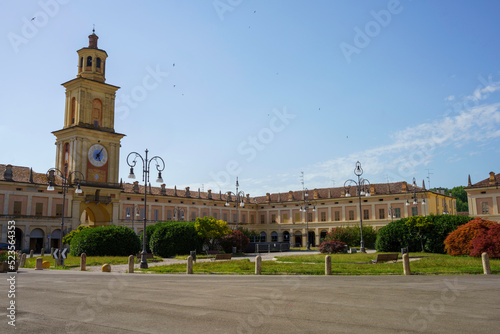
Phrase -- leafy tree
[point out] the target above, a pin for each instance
(460, 241)
(68, 237)
(173, 238)
(211, 230)
(351, 235)
(419, 227)
(105, 241)
(488, 242)
(150, 229)
(235, 239)
(443, 225)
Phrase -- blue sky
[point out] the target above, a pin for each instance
(263, 90)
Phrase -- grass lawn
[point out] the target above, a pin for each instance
(74, 261)
(342, 264)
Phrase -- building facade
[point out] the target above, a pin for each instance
(484, 197)
(87, 154)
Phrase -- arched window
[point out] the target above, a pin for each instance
(89, 61)
(96, 112)
(263, 237)
(274, 236)
(81, 64)
(98, 62)
(73, 110)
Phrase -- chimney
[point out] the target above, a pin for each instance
(372, 189)
(268, 197)
(188, 193)
(7, 175)
(248, 198)
(163, 190)
(135, 188)
(175, 190)
(199, 193)
(316, 196)
(404, 186)
(279, 197)
(491, 180)
(209, 195)
(93, 40)
(290, 195)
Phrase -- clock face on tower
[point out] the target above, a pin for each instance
(98, 156)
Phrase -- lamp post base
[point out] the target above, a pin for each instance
(144, 261)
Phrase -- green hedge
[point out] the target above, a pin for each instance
(174, 238)
(105, 241)
(150, 229)
(397, 235)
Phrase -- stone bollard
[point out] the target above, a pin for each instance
(328, 265)
(51, 251)
(22, 262)
(31, 253)
(83, 262)
(258, 265)
(406, 264)
(131, 260)
(39, 264)
(189, 270)
(106, 268)
(42, 252)
(486, 264)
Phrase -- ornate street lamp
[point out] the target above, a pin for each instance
(66, 183)
(305, 209)
(135, 212)
(240, 195)
(363, 187)
(146, 164)
(414, 198)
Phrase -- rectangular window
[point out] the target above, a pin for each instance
(252, 219)
(39, 209)
(397, 212)
(169, 215)
(297, 217)
(337, 215)
(273, 218)
(156, 215)
(193, 216)
(59, 210)
(381, 213)
(414, 211)
(285, 218)
(274, 238)
(262, 219)
(243, 218)
(235, 217)
(309, 217)
(323, 216)
(485, 208)
(17, 207)
(128, 213)
(351, 214)
(224, 216)
(366, 214)
(215, 215)
(142, 213)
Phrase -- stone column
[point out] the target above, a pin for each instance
(406, 264)
(258, 265)
(189, 270)
(486, 264)
(328, 265)
(131, 260)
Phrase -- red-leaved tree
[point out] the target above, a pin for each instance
(488, 242)
(459, 242)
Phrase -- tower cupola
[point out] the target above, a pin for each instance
(92, 61)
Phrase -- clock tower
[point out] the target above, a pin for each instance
(88, 142)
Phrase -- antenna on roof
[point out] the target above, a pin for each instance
(429, 177)
(93, 28)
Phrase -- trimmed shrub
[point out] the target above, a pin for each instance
(173, 238)
(149, 232)
(459, 242)
(105, 241)
(399, 234)
(351, 235)
(235, 239)
(488, 242)
(332, 246)
(68, 237)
